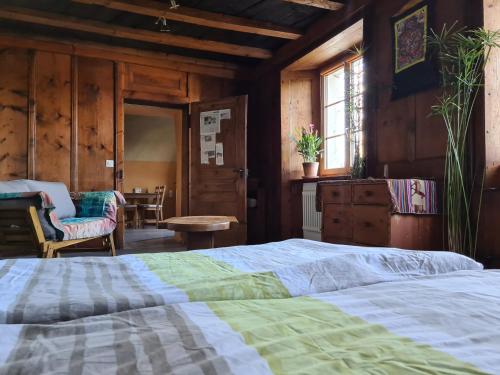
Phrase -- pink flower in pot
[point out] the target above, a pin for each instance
(309, 147)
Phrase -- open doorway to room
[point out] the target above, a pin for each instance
(152, 179)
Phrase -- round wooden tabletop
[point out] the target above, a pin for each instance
(200, 223)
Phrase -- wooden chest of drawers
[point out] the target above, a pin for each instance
(361, 212)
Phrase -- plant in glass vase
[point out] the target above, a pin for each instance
(309, 147)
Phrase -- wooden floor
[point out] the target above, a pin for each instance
(150, 241)
(139, 241)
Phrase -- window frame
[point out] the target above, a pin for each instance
(345, 61)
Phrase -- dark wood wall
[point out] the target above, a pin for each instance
(14, 93)
(300, 106)
(401, 133)
(407, 139)
(58, 109)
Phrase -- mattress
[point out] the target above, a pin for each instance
(440, 324)
(46, 291)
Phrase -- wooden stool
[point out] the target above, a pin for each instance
(200, 230)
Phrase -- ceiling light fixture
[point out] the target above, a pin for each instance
(162, 21)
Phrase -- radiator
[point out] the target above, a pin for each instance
(310, 217)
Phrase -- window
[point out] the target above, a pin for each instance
(342, 101)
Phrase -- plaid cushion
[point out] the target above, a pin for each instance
(96, 204)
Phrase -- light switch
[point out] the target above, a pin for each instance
(110, 163)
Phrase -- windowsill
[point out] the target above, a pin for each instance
(320, 178)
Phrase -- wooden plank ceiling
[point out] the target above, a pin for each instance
(239, 31)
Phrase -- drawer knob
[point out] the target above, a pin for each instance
(335, 193)
(367, 224)
(336, 221)
(368, 193)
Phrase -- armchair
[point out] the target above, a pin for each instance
(44, 215)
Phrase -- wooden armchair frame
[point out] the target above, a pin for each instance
(20, 229)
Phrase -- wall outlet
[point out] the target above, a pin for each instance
(110, 163)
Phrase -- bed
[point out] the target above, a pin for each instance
(40, 291)
(438, 324)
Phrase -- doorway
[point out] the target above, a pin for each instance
(152, 175)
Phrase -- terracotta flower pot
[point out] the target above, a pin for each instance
(310, 169)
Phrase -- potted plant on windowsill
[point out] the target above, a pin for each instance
(309, 147)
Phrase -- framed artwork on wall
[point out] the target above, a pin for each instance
(414, 68)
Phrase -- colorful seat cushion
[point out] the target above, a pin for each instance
(86, 227)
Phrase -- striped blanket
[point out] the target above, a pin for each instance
(442, 324)
(44, 291)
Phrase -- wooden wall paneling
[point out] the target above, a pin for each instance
(14, 67)
(32, 115)
(405, 132)
(201, 87)
(395, 123)
(264, 149)
(488, 146)
(489, 236)
(395, 120)
(492, 98)
(95, 124)
(74, 125)
(119, 148)
(53, 117)
(424, 168)
(300, 106)
(431, 132)
(182, 161)
(185, 180)
(155, 80)
(119, 71)
(371, 90)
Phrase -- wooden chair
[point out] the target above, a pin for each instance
(21, 230)
(156, 207)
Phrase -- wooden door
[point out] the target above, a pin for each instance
(221, 189)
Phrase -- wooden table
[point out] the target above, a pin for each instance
(200, 230)
(136, 197)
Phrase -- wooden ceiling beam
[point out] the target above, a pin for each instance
(95, 27)
(197, 17)
(320, 32)
(124, 54)
(323, 4)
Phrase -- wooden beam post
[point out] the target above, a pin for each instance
(95, 27)
(323, 4)
(197, 17)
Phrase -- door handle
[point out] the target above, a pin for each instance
(241, 171)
